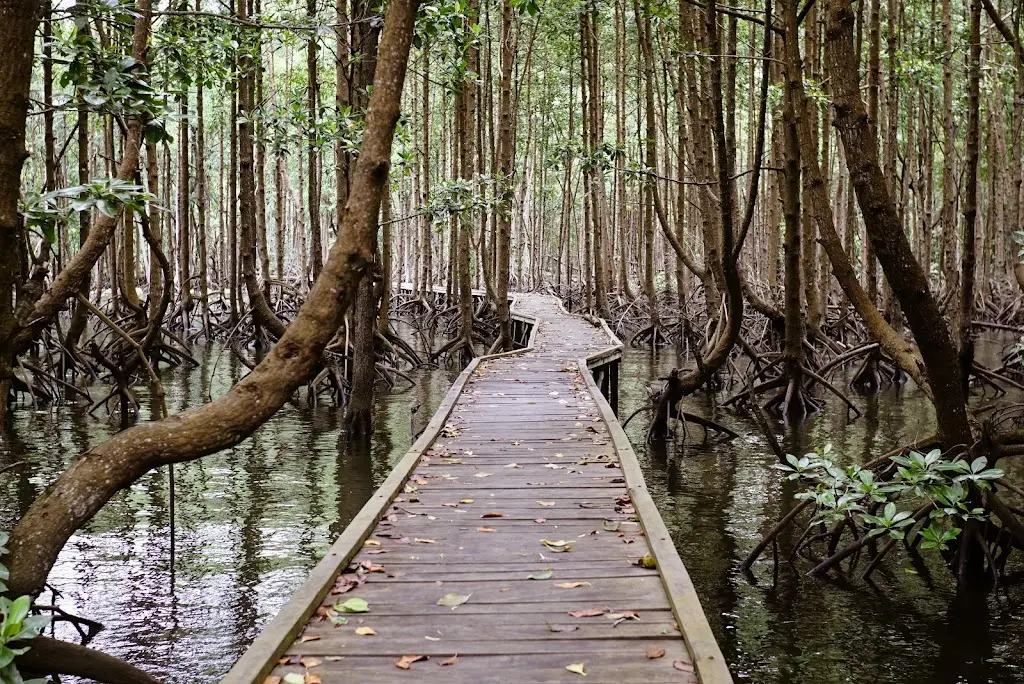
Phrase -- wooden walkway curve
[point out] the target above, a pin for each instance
(522, 506)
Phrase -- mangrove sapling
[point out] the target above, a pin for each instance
(17, 627)
(925, 500)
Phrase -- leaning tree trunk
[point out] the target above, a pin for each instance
(111, 466)
(885, 230)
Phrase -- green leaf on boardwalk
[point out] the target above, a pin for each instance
(453, 600)
(648, 562)
(546, 574)
(353, 605)
(294, 678)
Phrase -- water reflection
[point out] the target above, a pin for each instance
(719, 499)
(249, 522)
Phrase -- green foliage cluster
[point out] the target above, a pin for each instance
(16, 625)
(45, 212)
(885, 506)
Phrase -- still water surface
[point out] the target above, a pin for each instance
(251, 521)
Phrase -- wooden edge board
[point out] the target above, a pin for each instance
(261, 657)
(693, 623)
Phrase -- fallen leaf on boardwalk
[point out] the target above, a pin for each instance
(563, 628)
(610, 525)
(309, 661)
(421, 481)
(654, 653)
(448, 661)
(453, 601)
(622, 616)
(272, 680)
(648, 562)
(306, 637)
(406, 661)
(559, 546)
(311, 678)
(483, 474)
(338, 620)
(516, 443)
(294, 678)
(493, 514)
(554, 466)
(559, 455)
(546, 574)
(578, 668)
(353, 605)
(366, 631)
(425, 541)
(573, 585)
(377, 551)
(485, 529)
(586, 612)
(540, 521)
(513, 465)
(371, 542)
(466, 501)
(682, 666)
(546, 504)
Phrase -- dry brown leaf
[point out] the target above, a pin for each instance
(425, 541)
(371, 542)
(406, 661)
(306, 637)
(273, 679)
(485, 529)
(654, 653)
(493, 514)
(573, 585)
(682, 666)
(366, 631)
(586, 612)
(466, 501)
(312, 678)
(449, 661)
(310, 661)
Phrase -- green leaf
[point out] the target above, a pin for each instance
(353, 605)
(453, 600)
(19, 609)
(546, 574)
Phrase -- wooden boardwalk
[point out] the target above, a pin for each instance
(523, 508)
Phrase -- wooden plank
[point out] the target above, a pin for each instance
(601, 668)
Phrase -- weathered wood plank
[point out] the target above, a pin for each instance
(601, 668)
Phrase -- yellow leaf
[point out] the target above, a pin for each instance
(371, 542)
(366, 631)
(577, 668)
(466, 501)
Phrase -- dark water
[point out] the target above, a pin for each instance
(908, 626)
(251, 521)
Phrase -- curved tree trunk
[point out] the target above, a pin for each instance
(114, 464)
